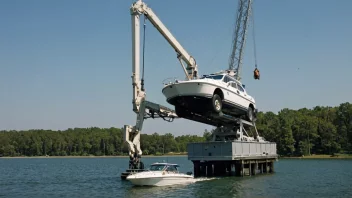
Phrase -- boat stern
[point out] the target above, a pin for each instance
(192, 88)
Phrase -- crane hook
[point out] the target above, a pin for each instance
(256, 74)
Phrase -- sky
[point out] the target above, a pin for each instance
(67, 64)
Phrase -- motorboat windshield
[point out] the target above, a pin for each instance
(162, 167)
(215, 77)
(157, 167)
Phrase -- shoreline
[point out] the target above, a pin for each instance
(107, 156)
(343, 156)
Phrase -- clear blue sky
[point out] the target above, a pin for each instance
(68, 63)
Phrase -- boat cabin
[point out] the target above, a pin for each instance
(164, 167)
(223, 77)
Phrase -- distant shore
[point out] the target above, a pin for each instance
(338, 156)
(91, 156)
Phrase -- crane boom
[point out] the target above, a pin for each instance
(239, 37)
(191, 71)
(138, 8)
(141, 106)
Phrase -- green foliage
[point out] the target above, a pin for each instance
(321, 130)
(85, 142)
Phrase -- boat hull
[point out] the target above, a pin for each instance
(161, 181)
(195, 97)
(196, 89)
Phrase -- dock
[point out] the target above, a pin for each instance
(232, 151)
(235, 149)
(232, 158)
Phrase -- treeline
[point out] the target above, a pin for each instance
(86, 141)
(321, 130)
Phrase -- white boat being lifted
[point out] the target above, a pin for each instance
(219, 92)
(161, 174)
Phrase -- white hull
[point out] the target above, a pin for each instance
(161, 181)
(212, 93)
(205, 89)
(160, 174)
(199, 88)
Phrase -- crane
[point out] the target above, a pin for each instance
(143, 108)
(244, 11)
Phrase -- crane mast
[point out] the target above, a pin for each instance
(239, 37)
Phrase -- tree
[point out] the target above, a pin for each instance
(320, 130)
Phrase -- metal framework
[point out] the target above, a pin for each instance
(239, 37)
(236, 131)
(145, 109)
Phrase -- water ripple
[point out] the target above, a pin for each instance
(100, 177)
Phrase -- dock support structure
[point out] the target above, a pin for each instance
(241, 168)
(239, 158)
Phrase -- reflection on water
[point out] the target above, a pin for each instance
(181, 190)
(162, 191)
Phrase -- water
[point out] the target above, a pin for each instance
(100, 177)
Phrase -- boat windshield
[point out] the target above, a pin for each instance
(172, 168)
(215, 77)
(159, 167)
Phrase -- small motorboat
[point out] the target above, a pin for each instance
(161, 174)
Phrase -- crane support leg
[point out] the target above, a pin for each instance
(132, 134)
(132, 138)
(236, 132)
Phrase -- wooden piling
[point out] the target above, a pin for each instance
(249, 168)
(228, 168)
(209, 169)
(254, 168)
(196, 168)
(272, 167)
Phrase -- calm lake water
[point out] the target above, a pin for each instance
(100, 177)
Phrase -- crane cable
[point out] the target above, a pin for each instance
(255, 47)
(142, 81)
(256, 71)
